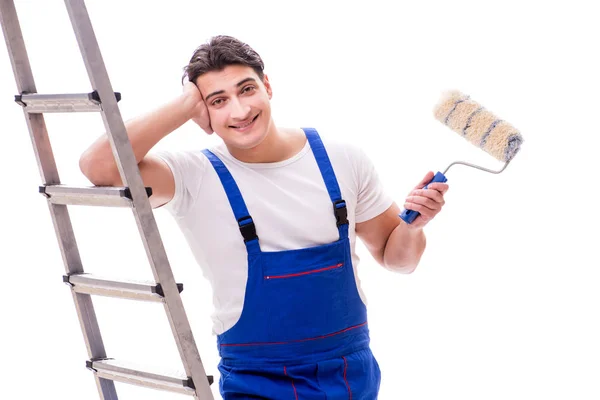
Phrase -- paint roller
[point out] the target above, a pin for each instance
(478, 126)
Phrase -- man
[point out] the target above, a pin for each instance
(272, 217)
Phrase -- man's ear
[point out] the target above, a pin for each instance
(268, 86)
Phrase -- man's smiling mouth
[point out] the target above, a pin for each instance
(246, 124)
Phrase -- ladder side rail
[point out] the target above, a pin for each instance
(49, 174)
(130, 175)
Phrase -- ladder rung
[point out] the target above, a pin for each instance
(125, 289)
(48, 103)
(141, 376)
(108, 196)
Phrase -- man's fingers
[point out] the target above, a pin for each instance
(433, 194)
(428, 177)
(426, 213)
(440, 187)
(427, 202)
(424, 202)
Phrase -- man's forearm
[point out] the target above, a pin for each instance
(404, 249)
(144, 132)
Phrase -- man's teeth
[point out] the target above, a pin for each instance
(245, 125)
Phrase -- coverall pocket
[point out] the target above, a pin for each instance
(311, 271)
(225, 372)
(362, 374)
(265, 383)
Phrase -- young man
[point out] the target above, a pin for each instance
(272, 216)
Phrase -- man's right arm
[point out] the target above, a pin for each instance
(98, 164)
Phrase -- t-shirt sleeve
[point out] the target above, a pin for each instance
(187, 168)
(372, 197)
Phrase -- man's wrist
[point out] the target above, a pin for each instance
(187, 103)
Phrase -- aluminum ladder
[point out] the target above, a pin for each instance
(135, 195)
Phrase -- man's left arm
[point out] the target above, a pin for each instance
(395, 244)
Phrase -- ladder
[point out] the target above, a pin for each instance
(135, 195)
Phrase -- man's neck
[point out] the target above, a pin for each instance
(278, 145)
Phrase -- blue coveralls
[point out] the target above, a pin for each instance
(303, 330)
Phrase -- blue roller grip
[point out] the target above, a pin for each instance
(409, 216)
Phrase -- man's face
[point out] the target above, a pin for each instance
(238, 103)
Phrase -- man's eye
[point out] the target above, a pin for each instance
(217, 102)
(248, 88)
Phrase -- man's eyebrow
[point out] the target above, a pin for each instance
(240, 83)
(214, 94)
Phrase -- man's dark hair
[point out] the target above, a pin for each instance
(219, 52)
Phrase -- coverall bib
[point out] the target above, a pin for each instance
(303, 332)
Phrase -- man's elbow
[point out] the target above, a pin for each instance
(404, 263)
(401, 268)
(99, 173)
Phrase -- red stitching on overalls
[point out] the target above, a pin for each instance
(294, 386)
(314, 271)
(345, 379)
(295, 341)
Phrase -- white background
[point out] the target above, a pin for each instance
(505, 302)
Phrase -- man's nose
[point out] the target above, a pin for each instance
(239, 110)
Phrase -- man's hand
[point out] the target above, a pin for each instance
(197, 108)
(428, 202)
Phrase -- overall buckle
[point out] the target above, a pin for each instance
(247, 228)
(341, 212)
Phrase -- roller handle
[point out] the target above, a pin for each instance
(409, 216)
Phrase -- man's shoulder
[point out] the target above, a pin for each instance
(342, 150)
(186, 154)
(186, 162)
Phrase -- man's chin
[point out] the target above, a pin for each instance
(249, 142)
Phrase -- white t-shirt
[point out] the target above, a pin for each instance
(287, 200)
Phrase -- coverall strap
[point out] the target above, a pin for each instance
(238, 205)
(324, 164)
